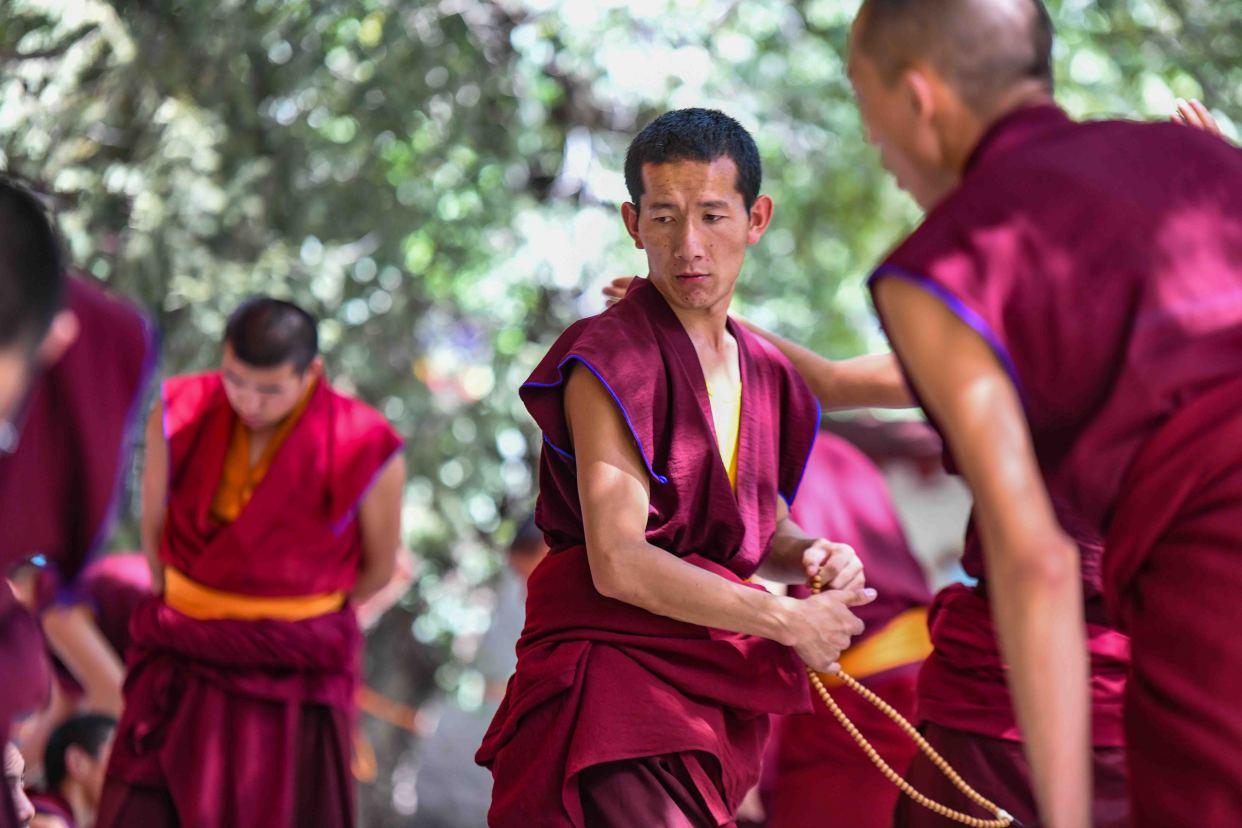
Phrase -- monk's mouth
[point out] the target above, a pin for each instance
(692, 278)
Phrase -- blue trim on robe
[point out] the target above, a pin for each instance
(560, 374)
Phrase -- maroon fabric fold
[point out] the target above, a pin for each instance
(219, 714)
(962, 683)
(303, 514)
(600, 681)
(1173, 576)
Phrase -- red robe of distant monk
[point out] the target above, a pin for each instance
(1102, 262)
(58, 484)
(813, 765)
(231, 720)
(599, 680)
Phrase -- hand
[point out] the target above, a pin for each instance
(1194, 114)
(820, 627)
(615, 290)
(839, 563)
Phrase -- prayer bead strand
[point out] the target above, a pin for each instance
(1003, 818)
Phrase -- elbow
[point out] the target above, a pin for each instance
(1050, 568)
(608, 579)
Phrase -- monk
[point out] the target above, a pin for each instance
(1070, 315)
(271, 503)
(812, 760)
(71, 367)
(77, 755)
(673, 442)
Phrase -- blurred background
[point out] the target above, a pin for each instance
(439, 183)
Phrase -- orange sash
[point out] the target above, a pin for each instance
(904, 640)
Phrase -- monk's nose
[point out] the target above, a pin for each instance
(690, 246)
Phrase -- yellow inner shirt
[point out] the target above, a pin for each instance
(728, 421)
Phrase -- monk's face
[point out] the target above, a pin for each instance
(900, 120)
(22, 360)
(14, 777)
(262, 397)
(695, 227)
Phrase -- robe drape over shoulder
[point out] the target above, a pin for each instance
(1102, 263)
(599, 680)
(814, 772)
(246, 722)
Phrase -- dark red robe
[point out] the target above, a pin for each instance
(58, 488)
(814, 773)
(246, 723)
(1102, 262)
(600, 681)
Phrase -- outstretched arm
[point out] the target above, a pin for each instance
(77, 641)
(1033, 569)
(615, 495)
(868, 381)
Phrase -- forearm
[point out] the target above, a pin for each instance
(661, 583)
(150, 550)
(783, 563)
(1039, 620)
(373, 575)
(869, 381)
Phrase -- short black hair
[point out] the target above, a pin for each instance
(266, 332)
(88, 731)
(983, 47)
(32, 266)
(695, 135)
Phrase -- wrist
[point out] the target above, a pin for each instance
(781, 621)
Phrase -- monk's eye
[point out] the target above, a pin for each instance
(662, 219)
(711, 218)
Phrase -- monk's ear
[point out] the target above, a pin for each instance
(760, 218)
(61, 334)
(919, 93)
(315, 369)
(629, 215)
(77, 762)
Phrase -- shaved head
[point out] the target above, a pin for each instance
(983, 48)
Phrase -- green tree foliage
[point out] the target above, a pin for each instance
(439, 180)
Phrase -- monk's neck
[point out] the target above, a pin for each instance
(974, 127)
(258, 441)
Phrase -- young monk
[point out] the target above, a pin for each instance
(673, 442)
(18, 808)
(77, 755)
(812, 759)
(1070, 315)
(271, 503)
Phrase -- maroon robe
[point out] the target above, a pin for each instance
(58, 489)
(1102, 263)
(600, 681)
(246, 723)
(814, 773)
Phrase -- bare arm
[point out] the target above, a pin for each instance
(869, 381)
(76, 640)
(615, 494)
(154, 495)
(794, 557)
(1033, 569)
(380, 519)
